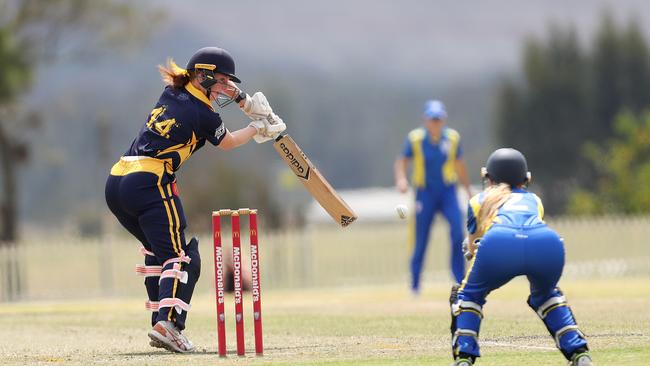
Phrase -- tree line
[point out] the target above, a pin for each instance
(579, 114)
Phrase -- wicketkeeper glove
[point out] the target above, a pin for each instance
(467, 250)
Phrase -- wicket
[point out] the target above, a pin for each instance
(237, 279)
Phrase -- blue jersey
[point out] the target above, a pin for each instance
(434, 161)
(181, 122)
(523, 208)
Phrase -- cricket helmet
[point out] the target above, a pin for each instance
(434, 109)
(507, 165)
(213, 60)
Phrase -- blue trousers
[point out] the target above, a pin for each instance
(428, 203)
(504, 253)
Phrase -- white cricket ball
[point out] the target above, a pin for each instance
(402, 211)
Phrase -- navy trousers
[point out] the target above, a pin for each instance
(148, 206)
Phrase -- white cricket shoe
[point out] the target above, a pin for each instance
(581, 359)
(462, 362)
(165, 335)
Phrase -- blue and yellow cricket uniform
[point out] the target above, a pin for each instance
(434, 178)
(141, 192)
(517, 243)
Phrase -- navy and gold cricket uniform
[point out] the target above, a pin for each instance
(141, 192)
(517, 243)
(434, 178)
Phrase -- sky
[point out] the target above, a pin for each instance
(357, 67)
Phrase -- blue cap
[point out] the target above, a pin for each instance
(434, 109)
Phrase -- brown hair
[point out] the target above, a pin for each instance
(174, 75)
(495, 197)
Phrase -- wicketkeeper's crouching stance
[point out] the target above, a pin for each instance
(508, 238)
(141, 189)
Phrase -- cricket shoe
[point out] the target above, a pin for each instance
(165, 335)
(581, 359)
(462, 362)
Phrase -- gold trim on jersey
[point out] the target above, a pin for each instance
(139, 164)
(416, 137)
(198, 94)
(183, 150)
(449, 174)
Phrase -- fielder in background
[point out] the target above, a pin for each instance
(508, 238)
(141, 189)
(438, 165)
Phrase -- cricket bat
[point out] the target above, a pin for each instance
(313, 180)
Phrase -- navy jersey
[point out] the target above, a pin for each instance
(523, 208)
(181, 122)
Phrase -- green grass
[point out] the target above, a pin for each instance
(380, 325)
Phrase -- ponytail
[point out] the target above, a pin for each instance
(174, 75)
(495, 197)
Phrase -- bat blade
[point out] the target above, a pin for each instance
(314, 181)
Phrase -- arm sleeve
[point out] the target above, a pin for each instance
(211, 127)
(459, 150)
(407, 150)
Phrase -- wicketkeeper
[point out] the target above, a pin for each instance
(508, 238)
(141, 189)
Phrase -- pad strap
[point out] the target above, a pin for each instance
(550, 304)
(174, 272)
(151, 305)
(148, 271)
(463, 332)
(182, 258)
(145, 252)
(564, 331)
(469, 306)
(176, 303)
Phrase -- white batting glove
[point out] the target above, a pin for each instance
(257, 107)
(259, 125)
(275, 126)
(268, 129)
(261, 139)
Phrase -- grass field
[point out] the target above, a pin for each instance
(348, 326)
